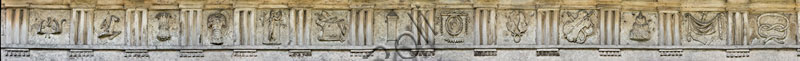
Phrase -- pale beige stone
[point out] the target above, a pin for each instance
(399, 30)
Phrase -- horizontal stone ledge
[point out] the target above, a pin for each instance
(331, 47)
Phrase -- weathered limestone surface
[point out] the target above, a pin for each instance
(400, 30)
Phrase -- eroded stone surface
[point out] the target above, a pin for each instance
(399, 30)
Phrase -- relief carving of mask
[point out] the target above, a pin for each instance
(217, 23)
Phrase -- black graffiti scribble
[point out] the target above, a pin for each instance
(397, 48)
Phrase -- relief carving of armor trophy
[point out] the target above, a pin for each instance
(332, 29)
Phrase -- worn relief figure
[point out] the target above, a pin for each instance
(641, 28)
(332, 28)
(704, 28)
(516, 25)
(165, 26)
(273, 22)
(578, 26)
(217, 23)
(771, 30)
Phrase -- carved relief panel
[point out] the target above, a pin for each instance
(394, 25)
(454, 26)
(704, 28)
(329, 27)
(272, 27)
(219, 28)
(109, 26)
(516, 27)
(163, 27)
(639, 28)
(404, 27)
(771, 28)
(50, 27)
(578, 27)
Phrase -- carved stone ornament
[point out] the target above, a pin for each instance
(273, 27)
(641, 28)
(454, 23)
(217, 24)
(106, 26)
(772, 29)
(705, 27)
(578, 26)
(50, 26)
(109, 28)
(332, 27)
(399, 30)
(517, 25)
(165, 25)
